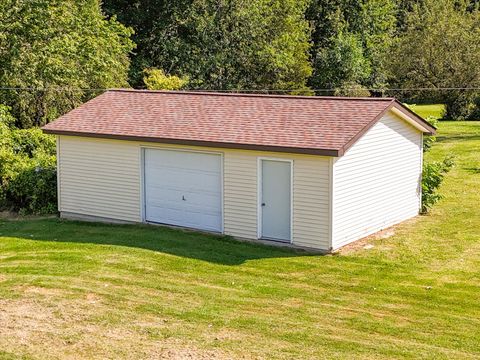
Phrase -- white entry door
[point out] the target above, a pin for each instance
(183, 188)
(276, 200)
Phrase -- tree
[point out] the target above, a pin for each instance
(143, 16)
(67, 44)
(350, 38)
(440, 48)
(342, 62)
(224, 44)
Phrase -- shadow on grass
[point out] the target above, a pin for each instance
(456, 138)
(473, 170)
(190, 244)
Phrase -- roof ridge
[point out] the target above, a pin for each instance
(240, 94)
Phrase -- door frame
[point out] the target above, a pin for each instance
(260, 195)
(143, 192)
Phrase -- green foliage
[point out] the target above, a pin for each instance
(429, 140)
(432, 177)
(32, 141)
(48, 44)
(258, 44)
(345, 45)
(342, 63)
(439, 48)
(27, 168)
(352, 89)
(156, 79)
(432, 172)
(350, 38)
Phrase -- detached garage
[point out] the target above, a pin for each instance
(316, 172)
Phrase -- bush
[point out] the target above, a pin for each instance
(432, 177)
(462, 106)
(33, 141)
(28, 179)
(352, 89)
(31, 187)
(156, 79)
(432, 173)
(428, 140)
(475, 115)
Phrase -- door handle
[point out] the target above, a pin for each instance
(183, 198)
(263, 204)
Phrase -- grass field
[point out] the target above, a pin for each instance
(435, 110)
(78, 290)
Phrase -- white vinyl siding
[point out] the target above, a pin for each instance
(311, 201)
(101, 177)
(376, 183)
(310, 196)
(240, 194)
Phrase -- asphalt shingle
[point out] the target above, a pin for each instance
(293, 123)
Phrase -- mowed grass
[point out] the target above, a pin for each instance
(80, 290)
(435, 110)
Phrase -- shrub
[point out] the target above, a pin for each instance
(432, 177)
(32, 186)
(428, 140)
(28, 179)
(352, 89)
(434, 172)
(32, 141)
(156, 79)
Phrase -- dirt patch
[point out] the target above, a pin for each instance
(45, 323)
(182, 352)
(36, 290)
(371, 241)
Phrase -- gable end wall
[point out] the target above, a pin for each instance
(377, 183)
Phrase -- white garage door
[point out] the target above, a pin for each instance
(183, 188)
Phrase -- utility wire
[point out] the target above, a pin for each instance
(51, 88)
(7, 88)
(346, 89)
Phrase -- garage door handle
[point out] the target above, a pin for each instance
(183, 198)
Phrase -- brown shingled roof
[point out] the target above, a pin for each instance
(298, 124)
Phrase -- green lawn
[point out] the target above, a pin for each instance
(80, 290)
(435, 110)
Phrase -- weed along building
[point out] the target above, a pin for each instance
(316, 172)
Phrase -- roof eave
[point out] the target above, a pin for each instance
(225, 145)
(413, 118)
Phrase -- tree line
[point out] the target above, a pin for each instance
(51, 49)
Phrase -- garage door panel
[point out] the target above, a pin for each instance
(172, 179)
(177, 174)
(183, 185)
(197, 220)
(184, 160)
(183, 188)
(192, 207)
(155, 166)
